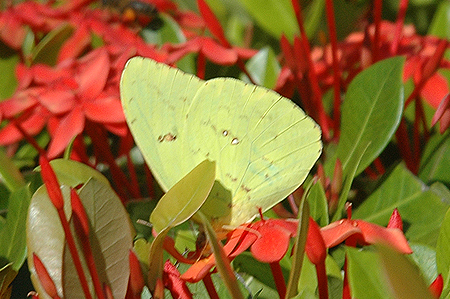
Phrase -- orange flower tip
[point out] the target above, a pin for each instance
(136, 278)
(44, 277)
(51, 183)
(159, 289)
(437, 286)
(396, 220)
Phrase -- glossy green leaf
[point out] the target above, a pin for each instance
(13, 233)
(141, 210)
(401, 275)
(264, 145)
(364, 274)
(443, 249)
(48, 48)
(264, 68)
(222, 262)
(435, 160)
(422, 209)
(299, 249)
(185, 198)
(8, 61)
(72, 173)
(318, 205)
(425, 258)
(441, 20)
(110, 237)
(371, 111)
(9, 173)
(275, 16)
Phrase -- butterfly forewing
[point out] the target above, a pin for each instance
(155, 98)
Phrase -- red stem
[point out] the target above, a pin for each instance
(201, 65)
(28, 138)
(209, 285)
(133, 175)
(399, 26)
(346, 288)
(336, 72)
(376, 39)
(73, 251)
(322, 280)
(279, 279)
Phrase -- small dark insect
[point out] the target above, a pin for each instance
(141, 12)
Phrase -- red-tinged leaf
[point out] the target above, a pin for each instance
(395, 221)
(390, 236)
(445, 122)
(435, 89)
(93, 72)
(106, 110)
(44, 277)
(173, 282)
(212, 22)
(444, 105)
(51, 183)
(58, 101)
(217, 53)
(137, 282)
(20, 102)
(76, 44)
(272, 244)
(315, 245)
(70, 126)
(437, 286)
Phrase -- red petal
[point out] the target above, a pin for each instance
(69, 126)
(119, 129)
(32, 124)
(199, 270)
(435, 89)
(217, 53)
(93, 72)
(58, 101)
(212, 22)
(392, 236)
(395, 221)
(245, 53)
(20, 102)
(437, 286)
(315, 245)
(173, 282)
(337, 232)
(240, 239)
(44, 74)
(444, 105)
(272, 245)
(106, 110)
(44, 277)
(136, 281)
(11, 30)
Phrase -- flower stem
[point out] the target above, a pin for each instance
(322, 280)
(279, 279)
(209, 285)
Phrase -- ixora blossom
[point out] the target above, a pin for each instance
(64, 98)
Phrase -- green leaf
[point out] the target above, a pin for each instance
(299, 249)
(425, 258)
(13, 236)
(440, 24)
(170, 32)
(111, 236)
(401, 275)
(371, 111)
(318, 205)
(435, 160)
(48, 48)
(141, 210)
(364, 273)
(422, 208)
(222, 262)
(72, 173)
(185, 197)
(263, 68)
(275, 16)
(8, 61)
(9, 173)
